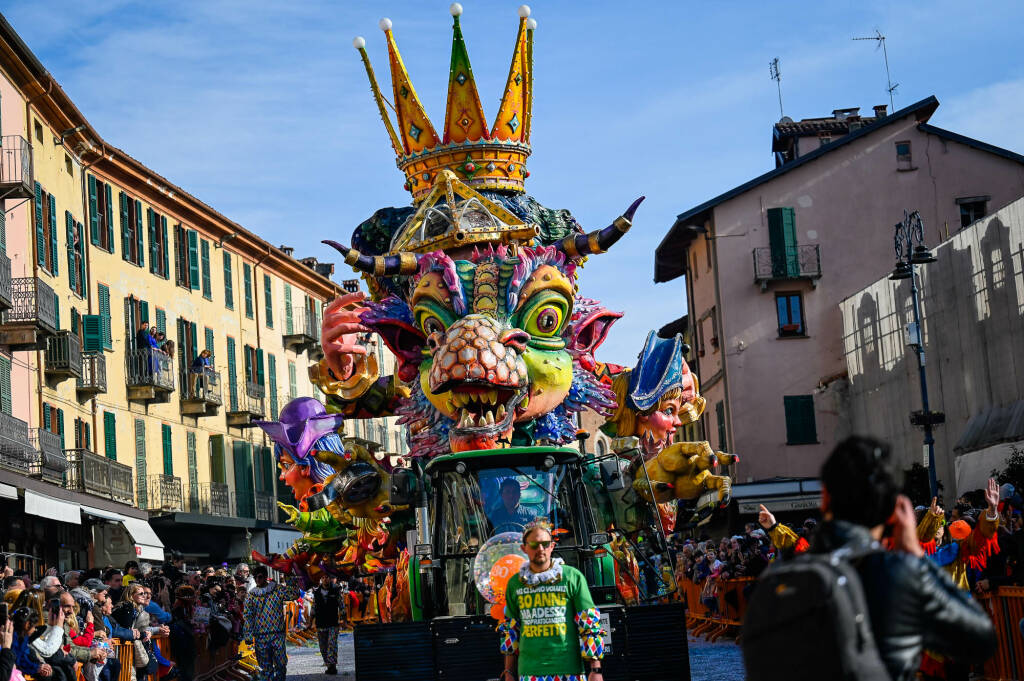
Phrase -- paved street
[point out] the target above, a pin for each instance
(708, 662)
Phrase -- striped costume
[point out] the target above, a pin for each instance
(263, 623)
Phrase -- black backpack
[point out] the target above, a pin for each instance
(808, 619)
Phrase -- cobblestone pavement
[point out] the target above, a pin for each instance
(720, 661)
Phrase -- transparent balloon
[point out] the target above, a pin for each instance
(499, 558)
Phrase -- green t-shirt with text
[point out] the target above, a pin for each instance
(548, 640)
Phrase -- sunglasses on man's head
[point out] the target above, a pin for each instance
(540, 544)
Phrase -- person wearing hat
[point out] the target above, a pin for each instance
(264, 625)
(974, 545)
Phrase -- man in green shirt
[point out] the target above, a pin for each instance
(551, 624)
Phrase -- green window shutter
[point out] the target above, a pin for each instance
(56, 310)
(208, 332)
(143, 311)
(247, 361)
(74, 321)
(245, 502)
(53, 234)
(94, 218)
(268, 301)
(782, 239)
(161, 320)
(232, 375)
(46, 417)
(40, 231)
(166, 254)
(168, 453)
(87, 436)
(247, 286)
(69, 224)
(60, 426)
(229, 295)
(83, 288)
(272, 368)
(126, 229)
(292, 388)
(139, 242)
(110, 435)
(178, 245)
(288, 309)
(260, 378)
(193, 472)
(5, 385)
(154, 254)
(193, 260)
(140, 464)
(218, 469)
(195, 339)
(103, 293)
(800, 423)
(204, 258)
(3, 232)
(109, 218)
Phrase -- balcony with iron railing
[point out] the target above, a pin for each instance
(15, 446)
(149, 374)
(97, 475)
(15, 168)
(244, 503)
(63, 356)
(163, 493)
(6, 300)
(32, 317)
(787, 264)
(265, 507)
(94, 373)
(300, 330)
(48, 461)
(200, 392)
(211, 498)
(250, 406)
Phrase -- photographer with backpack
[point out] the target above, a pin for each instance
(855, 610)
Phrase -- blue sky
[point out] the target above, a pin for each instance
(262, 109)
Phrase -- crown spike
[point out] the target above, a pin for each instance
(416, 131)
(531, 24)
(510, 124)
(464, 115)
(360, 44)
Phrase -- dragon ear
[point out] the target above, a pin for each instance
(587, 333)
(404, 340)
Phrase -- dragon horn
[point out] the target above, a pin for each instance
(600, 240)
(377, 265)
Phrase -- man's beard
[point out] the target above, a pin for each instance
(540, 561)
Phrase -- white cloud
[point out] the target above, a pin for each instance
(990, 113)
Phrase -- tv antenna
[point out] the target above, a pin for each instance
(880, 41)
(773, 70)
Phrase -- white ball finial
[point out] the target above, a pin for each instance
(385, 24)
(455, 9)
(524, 11)
(531, 24)
(359, 42)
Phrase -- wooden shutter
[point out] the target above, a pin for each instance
(140, 464)
(69, 224)
(104, 305)
(247, 362)
(208, 332)
(87, 436)
(53, 234)
(229, 295)
(292, 389)
(143, 311)
(60, 427)
(193, 472)
(94, 218)
(272, 369)
(126, 228)
(40, 232)
(193, 260)
(268, 301)
(92, 333)
(110, 435)
(46, 417)
(139, 242)
(288, 309)
(179, 272)
(5, 384)
(3, 231)
(108, 207)
(163, 248)
(232, 375)
(782, 238)
(800, 424)
(56, 311)
(260, 378)
(168, 453)
(204, 258)
(245, 502)
(154, 253)
(218, 469)
(247, 286)
(161, 320)
(83, 289)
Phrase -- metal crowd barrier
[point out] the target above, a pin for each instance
(1006, 608)
(724, 620)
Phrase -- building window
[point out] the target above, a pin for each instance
(168, 451)
(67, 165)
(268, 302)
(5, 385)
(789, 307)
(110, 435)
(293, 391)
(904, 160)
(972, 208)
(785, 253)
(159, 262)
(131, 230)
(254, 375)
(46, 230)
(186, 258)
(247, 289)
(720, 422)
(38, 127)
(800, 427)
(204, 260)
(76, 255)
(101, 215)
(229, 288)
(824, 138)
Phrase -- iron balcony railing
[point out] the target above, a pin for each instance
(790, 262)
(265, 507)
(15, 167)
(213, 498)
(204, 386)
(300, 327)
(32, 302)
(97, 475)
(64, 354)
(163, 492)
(244, 503)
(149, 367)
(15, 447)
(252, 399)
(48, 460)
(94, 373)
(6, 299)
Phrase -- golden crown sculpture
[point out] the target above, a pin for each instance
(480, 158)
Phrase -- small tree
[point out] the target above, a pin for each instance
(1013, 473)
(916, 486)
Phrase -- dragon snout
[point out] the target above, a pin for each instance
(476, 349)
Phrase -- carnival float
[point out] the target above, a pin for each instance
(475, 290)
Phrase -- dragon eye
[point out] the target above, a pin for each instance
(545, 321)
(431, 324)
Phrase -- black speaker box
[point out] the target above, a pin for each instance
(466, 648)
(401, 651)
(656, 643)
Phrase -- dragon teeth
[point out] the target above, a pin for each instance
(489, 418)
(501, 412)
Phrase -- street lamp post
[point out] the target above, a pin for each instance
(910, 251)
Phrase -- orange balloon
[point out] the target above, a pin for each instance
(502, 571)
(498, 610)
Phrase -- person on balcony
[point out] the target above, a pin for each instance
(142, 336)
(200, 365)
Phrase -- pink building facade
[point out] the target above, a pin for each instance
(765, 266)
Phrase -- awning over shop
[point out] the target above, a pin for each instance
(100, 513)
(147, 545)
(55, 509)
(8, 491)
(779, 495)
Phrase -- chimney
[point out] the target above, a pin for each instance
(880, 110)
(287, 250)
(350, 285)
